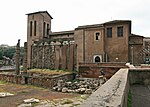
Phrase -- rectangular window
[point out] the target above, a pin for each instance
(120, 31)
(97, 36)
(44, 29)
(109, 32)
(34, 28)
(31, 28)
(47, 29)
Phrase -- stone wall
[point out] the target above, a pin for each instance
(140, 76)
(93, 70)
(136, 51)
(42, 81)
(113, 93)
(53, 56)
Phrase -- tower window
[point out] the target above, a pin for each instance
(44, 29)
(31, 28)
(34, 28)
(109, 32)
(120, 31)
(47, 29)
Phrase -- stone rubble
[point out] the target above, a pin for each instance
(5, 94)
(81, 86)
(31, 100)
(71, 102)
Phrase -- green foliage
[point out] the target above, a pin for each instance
(7, 51)
(2, 82)
(10, 52)
(129, 99)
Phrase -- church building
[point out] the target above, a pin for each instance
(107, 42)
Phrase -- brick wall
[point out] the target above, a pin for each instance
(93, 70)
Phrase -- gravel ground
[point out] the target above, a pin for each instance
(22, 92)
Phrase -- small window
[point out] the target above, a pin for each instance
(31, 28)
(44, 25)
(97, 36)
(97, 59)
(48, 29)
(109, 32)
(34, 28)
(120, 31)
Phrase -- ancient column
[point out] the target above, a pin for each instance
(18, 57)
(25, 58)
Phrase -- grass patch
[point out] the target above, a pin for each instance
(2, 82)
(49, 71)
(66, 101)
(129, 99)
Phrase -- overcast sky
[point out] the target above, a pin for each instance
(69, 14)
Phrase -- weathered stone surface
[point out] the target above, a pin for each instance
(64, 89)
(5, 94)
(32, 100)
(25, 105)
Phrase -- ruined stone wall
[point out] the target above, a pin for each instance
(54, 56)
(43, 56)
(42, 81)
(136, 52)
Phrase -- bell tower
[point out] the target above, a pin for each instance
(38, 27)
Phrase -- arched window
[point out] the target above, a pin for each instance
(97, 59)
(97, 36)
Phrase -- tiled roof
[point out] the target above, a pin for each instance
(101, 25)
(63, 33)
(40, 12)
(117, 21)
(134, 35)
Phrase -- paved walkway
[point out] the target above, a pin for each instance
(140, 96)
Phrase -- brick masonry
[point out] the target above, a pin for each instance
(112, 48)
(93, 70)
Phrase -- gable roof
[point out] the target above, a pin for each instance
(117, 21)
(103, 24)
(40, 12)
(134, 35)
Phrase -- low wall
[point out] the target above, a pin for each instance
(139, 76)
(42, 81)
(106, 64)
(113, 93)
(93, 70)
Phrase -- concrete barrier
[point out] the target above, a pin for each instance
(114, 93)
